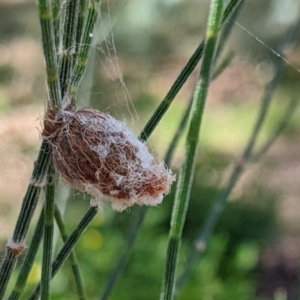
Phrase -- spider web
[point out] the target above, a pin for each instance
(106, 57)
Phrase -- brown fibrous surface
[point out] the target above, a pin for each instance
(98, 154)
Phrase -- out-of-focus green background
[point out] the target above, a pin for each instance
(254, 253)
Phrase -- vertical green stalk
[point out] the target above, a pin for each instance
(116, 272)
(177, 85)
(29, 259)
(85, 45)
(73, 259)
(227, 28)
(186, 175)
(68, 43)
(49, 48)
(55, 11)
(48, 234)
(81, 17)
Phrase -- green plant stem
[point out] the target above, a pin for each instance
(227, 28)
(121, 262)
(223, 65)
(68, 42)
(221, 198)
(68, 246)
(48, 235)
(55, 11)
(187, 172)
(49, 48)
(290, 110)
(29, 259)
(181, 79)
(73, 259)
(184, 120)
(85, 45)
(177, 85)
(27, 209)
(81, 15)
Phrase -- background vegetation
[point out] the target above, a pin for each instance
(254, 252)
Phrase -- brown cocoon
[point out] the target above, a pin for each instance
(97, 154)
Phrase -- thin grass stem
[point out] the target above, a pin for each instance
(29, 259)
(85, 45)
(68, 246)
(73, 259)
(27, 209)
(223, 65)
(68, 43)
(49, 48)
(177, 85)
(55, 11)
(282, 124)
(187, 172)
(48, 234)
(81, 18)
